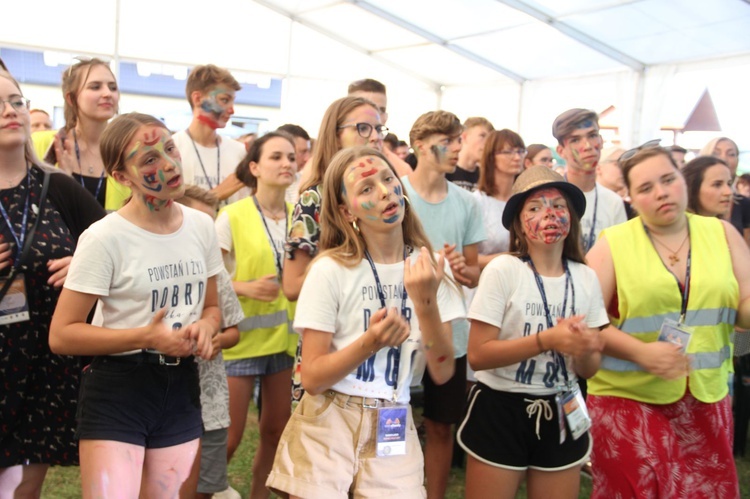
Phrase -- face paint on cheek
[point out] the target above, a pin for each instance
(150, 182)
(368, 205)
(398, 191)
(133, 151)
(531, 223)
(440, 152)
(211, 112)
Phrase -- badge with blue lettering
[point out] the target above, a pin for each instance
(676, 333)
(392, 423)
(15, 305)
(576, 413)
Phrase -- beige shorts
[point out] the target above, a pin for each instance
(328, 447)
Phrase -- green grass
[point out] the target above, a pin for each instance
(64, 482)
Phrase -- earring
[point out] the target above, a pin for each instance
(354, 225)
(406, 198)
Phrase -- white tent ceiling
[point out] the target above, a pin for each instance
(499, 58)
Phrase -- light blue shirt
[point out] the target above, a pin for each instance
(457, 219)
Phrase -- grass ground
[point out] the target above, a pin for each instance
(64, 483)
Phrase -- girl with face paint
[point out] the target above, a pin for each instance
(375, 306)
(535, 329)
(151, 266)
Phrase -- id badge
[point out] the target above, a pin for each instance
(392, 423)
(15, 304)
(676, 333)
(576, 413)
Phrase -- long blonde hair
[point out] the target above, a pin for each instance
(327, 144)
(338, 238)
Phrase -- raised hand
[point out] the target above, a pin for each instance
(422, 279)
(387, 329)
(457, 262)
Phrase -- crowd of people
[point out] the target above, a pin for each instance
(558, 317)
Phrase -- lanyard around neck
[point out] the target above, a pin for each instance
(21, 236)
(277, 254)
(200, 160)
(559, 359)
(381, 295)
(80, 168)
(684, 290)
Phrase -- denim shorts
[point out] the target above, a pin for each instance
(259, 366)
(139, 403)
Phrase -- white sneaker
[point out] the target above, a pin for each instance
(230, 493)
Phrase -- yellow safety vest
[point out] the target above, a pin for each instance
(647, 293)
(267, 327)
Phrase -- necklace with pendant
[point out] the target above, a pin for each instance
(673, 258)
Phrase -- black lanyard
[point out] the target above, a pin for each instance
(21, 237)
(684, 290)
(381, 295)
(218, 162)
(80, 169)
(277, 254)
(559, 359)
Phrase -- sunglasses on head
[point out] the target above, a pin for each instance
(632, 152)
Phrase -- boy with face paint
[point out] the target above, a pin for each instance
(209, 160)
(580, 145)
(452, 220)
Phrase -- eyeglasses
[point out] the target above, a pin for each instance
(365, 129)
(632, 152)
(17, 103)
(520, 152)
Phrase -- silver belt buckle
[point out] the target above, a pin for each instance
(370, 406)
(163, 361)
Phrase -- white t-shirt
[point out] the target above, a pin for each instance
(610, 210)
(231, 152)
(498, 237)
(341, 300)
(135, 273)
(508, 297)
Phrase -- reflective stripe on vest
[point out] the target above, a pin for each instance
(265, 321)
(702, 360)
(703, 317)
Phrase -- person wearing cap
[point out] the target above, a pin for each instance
(535, 330)
(580, 145)
(662, 420)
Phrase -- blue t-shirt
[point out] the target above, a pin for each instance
(457, 219)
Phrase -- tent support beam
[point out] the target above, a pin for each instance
(347, 43)
(432, 37)
(575, 34)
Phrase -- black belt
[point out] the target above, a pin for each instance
(149, 358)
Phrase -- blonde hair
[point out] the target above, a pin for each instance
(205, 78)
(433, 123)
(338, 238)
(73, 79)
(327, 144)
(118, 135)
(708, 149)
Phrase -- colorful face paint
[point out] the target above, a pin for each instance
(155, 166)
(545, 216)
(373, 191)
(212, 109)
(440, 152)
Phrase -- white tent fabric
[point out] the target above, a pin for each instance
(517, 62)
